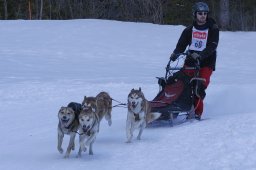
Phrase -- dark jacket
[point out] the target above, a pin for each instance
(208, 55)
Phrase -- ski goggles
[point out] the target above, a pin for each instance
(202, 13)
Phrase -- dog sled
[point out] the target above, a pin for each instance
(176, 92)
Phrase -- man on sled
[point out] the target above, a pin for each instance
(202, 37)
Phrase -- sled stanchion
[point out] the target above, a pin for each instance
(171, 120)
(167, 69)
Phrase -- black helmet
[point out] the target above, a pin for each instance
(199, 7)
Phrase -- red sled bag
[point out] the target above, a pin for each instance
(176, 94)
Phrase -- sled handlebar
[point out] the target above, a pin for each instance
(187, 68)
(169, 68)
(177, 56)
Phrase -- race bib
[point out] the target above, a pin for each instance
(199, 39)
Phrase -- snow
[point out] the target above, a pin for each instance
(47, 64)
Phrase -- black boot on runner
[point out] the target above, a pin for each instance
(197, 117)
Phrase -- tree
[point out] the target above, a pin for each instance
(224, 14)
(5, 10)
(41, 9)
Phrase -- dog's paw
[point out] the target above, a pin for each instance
(109, 122)
(66, 156)
(60, 150)
(78, 155)
(84, 149)
(128, 141)
(138, 138)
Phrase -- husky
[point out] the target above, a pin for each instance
(104, 106)
(139, 114)
(68, 124)
(88, 129)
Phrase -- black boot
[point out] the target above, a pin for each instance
(197, 117)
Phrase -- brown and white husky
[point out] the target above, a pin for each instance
(139, 114)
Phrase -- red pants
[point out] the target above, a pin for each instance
(205, 73)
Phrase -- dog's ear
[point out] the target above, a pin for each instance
(139, 89)
(62, 107)
(85, 97)
(71, 109)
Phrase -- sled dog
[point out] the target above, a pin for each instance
(101, 105)
(68, 124)
(88, 129)
(104, 106)
(139, 114)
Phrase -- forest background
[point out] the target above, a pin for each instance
(232, 15)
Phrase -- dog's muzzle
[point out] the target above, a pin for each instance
(64, 120)
(134, 105)
(86, 128)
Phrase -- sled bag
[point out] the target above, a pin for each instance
(177, 89)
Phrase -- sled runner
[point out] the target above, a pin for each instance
(176, 91)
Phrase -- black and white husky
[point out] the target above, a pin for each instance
(139, 114)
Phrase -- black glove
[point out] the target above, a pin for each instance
(195, 56)
(161, 81)
(173, 56)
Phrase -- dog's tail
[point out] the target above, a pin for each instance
(152, 116)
